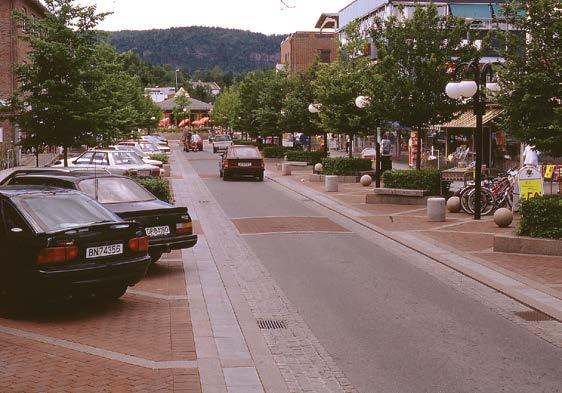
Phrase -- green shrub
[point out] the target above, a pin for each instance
(310, 157)
(344, 166)
(274, 151)
(424, 179)
(158, 186)
(160, 157)
(541, 217)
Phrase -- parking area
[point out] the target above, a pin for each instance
(142, 342)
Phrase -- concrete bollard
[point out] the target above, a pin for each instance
(331, 183)
(286, 169)
(436, 209)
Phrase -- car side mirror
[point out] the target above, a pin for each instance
(57, 162)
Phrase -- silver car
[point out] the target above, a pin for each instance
(114, 161)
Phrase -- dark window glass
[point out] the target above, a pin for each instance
(114, 190)
(222, 138)
(100, 158)
(85, 158)
(244, 153)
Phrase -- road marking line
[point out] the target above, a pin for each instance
(103, 353)
(156, 295)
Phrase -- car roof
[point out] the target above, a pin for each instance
(12, 191)
(71, 176)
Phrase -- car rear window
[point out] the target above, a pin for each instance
(244, 153)
(222, 138)
(126, 158)
(57, 212)
(115, 190)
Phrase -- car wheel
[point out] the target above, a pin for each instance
(260, 177)
(155, 256)
(225, 176)
(214, 151)
(220, 173)
(111, 293)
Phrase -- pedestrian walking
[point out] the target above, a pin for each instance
(531, 156)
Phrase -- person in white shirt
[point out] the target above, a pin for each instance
(531, 156)
(195, 138)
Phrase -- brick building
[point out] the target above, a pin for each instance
(299, 49)
(12, 51)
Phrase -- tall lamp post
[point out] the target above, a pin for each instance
(363, 102)
(315, 108)
(474, 88)
(177, 70)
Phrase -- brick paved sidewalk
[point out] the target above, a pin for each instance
(140, 343)
(460, 234)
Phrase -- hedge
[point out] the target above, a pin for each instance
(424, 179)
(160, 157)
(275, 151)
(310, 157)
(158, 186)
(343, 166)
(541, 217)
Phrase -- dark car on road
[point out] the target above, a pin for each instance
(57, 242)
(168, 227)
(242, 161)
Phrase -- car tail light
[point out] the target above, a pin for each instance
(184, 228)
(262, 165)
(155, 172)
(139, 244)
(225, 164)
(55, 255)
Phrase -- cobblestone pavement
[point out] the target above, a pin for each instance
(140, 343)
(460, 238)
(237, 289)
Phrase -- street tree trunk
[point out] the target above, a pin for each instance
(65, 152)
(350, 148)
(419, 149)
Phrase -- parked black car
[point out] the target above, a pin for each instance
(58, 242)
(241, 161)
(168, 227)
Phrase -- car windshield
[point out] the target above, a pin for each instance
(134, 149)
(115, 190)
(148, 147)
(57, 212)
(244, 153)
(126, 158)
(222, 138)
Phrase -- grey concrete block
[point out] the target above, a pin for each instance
(527, 245)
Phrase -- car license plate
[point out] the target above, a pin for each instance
(144, 173)
(244, 164)
(158, 231)
(104, 251)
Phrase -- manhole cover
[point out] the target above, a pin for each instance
(271, 324)
(533, 316)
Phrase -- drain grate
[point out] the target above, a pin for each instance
(271, 324)
(533, 316)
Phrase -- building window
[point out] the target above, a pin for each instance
(324, 55)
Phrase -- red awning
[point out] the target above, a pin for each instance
(183, 123)
(165, 122)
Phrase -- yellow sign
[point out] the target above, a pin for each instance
(549, 172)
(530, 188)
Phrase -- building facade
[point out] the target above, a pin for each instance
(300, 49)
(13, 51)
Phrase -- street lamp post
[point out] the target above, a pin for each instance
(177, 70)
(315, 108)
(474, 88)
(363, 102)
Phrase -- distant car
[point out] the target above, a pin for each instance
(242, 161)
(145, 146)
(369, 153)
(221, 143)
(116, 162)
(56, 242)
(168, 227)
(145, 157)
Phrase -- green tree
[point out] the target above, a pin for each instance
(249, 94)
(338, 84)
(412, 58)
(181, 109)
(227, 108)
(531, 77)
(74, 90)
(268, 114)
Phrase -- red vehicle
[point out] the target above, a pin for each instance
(242, 161)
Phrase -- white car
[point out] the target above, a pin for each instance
(114, 161)
(221, 143)
(143, 156)
(162, 146)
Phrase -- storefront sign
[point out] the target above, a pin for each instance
(530, 183)
(549, 171)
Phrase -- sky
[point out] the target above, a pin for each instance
(264, 16)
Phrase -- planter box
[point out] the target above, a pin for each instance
(527, 245)
(300, 164)
(396, 196)
(341, 179)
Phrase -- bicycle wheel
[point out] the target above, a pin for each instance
(463, 196)
(487, 201)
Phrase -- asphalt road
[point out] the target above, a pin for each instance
(389, 326)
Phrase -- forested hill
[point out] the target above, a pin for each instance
(202, 48)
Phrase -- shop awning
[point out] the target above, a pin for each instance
(474, 11)
(183, 123)
(200, 122)
(468, 119)
(164, 123)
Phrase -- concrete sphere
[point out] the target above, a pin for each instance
(454, 204)
(318, 167)
(366, 180)
(503, 217)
